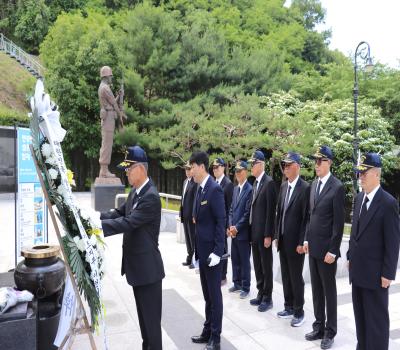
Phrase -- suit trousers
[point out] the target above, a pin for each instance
(240, 254)
(323, 286)
(262, 260)
(210, 278)
(188, 228)
(292, 280)
(149, 305)
(372, 317)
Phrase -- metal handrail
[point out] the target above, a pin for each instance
(25, 60)
(163, 195)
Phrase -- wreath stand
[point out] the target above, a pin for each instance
(79, 322)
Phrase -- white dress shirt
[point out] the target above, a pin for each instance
(219, 180)
(370, 196)
(259, 179)
(292, 186)
(140, 188)
(323, 181)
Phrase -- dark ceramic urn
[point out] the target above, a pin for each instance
(42, 272)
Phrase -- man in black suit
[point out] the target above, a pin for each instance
(139, 220)
(209, 216)
(219, 167)
(322, 242)
(239, 231)
(291, 220)
(262, 216)
(186, 214)
(373, 255)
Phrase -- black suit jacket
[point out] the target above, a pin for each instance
(295, 217)
(210, 219)
(326, 219)
(374, 241)
(139, 221)
(186, 209)
(240, 211)
(227, 186)
(263, 209)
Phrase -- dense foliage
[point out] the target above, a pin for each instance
(224, 76)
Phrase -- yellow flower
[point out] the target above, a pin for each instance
(94, 231)
(70, 176)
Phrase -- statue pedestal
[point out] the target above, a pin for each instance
(104, 191)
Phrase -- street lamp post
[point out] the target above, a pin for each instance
(362, 51)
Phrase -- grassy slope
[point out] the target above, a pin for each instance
(15, 86)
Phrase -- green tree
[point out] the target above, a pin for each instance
(33, 20)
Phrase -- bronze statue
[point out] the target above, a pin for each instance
(111, 107)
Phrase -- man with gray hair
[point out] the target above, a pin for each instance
(108, 114)
(373, 255)
(139, 220)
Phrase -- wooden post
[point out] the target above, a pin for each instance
(86, 327)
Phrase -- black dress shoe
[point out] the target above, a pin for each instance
(185, 263)
(265, 305)
(200, 339)
(314, 335)
(326, 343)
(191, 266)
(256, 301)
(212, 345)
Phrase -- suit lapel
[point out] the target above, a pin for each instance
(295, 192)
(325, 190)
(356, 214)
(370, 212)
(312, 194)
(259, 187)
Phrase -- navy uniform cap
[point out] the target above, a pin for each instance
(368, 161)
(292, 157)
(240, 165)
(219, 162)
(323, 152)
(258, 156)
(134, 154)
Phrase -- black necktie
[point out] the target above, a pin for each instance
(198, 198)
(317, 191)
(285, 204)
(287, 196)
(363, 209)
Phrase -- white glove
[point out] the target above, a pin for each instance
(215, 259)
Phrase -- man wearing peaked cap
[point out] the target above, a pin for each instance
(186, 214)
(291, 221)
(373, 254)
(322, 242)
(219, 167)
(139, 220)
(262, 216)
(239, 230)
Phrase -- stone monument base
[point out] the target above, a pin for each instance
(104, 191)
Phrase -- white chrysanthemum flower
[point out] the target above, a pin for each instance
(51, 160)
(79, 243)
(53, 173)
(46, 150)
(84, 214)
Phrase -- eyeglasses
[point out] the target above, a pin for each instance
(127, 170)
(215, 167)
(319, 161)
